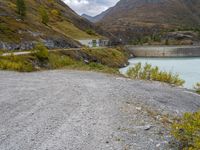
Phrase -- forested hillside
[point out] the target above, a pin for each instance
(24, 22)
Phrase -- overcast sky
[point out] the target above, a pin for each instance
(90, 7)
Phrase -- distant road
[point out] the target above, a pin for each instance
(28, 52)
(53, 50)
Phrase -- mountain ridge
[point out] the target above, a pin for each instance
(97, 17)
(133, 17)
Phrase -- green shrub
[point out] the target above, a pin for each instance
(197, 88)
(16, 63)
(96, 66)
(187, 131)
(1, 52)
(107, 56)
(41, 52)
(4, 29)
(148, 72)
(102, 68)
(44, 15)
(91, 32)
(55, 13)
(57, 61)
(21, 8)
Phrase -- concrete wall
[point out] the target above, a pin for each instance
(165, 51)
(94, 43)
(89, 42)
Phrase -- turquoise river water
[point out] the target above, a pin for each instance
(187, 68)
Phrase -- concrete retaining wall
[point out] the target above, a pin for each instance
(165, 51)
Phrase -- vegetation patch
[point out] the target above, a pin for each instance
(29, 20)
(147, 72)
(197, 88)
(21, 8)
(40, 52)
(68, 29)
(42, 59)
(108, 56)
(187, 131)
(44, 15)
(16, 63)
(91, 32)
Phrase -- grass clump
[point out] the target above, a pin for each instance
(58, 61)
(16, 63)
(197, 88)
(69, 29)
(102, 68)
(90, 32)
(107, 56)
(1, 52)
(187, 131)
(94, 67)
(147, 72)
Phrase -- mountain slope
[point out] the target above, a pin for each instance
(63, 28)
(97, 17)
(131, 18)
(90, 18)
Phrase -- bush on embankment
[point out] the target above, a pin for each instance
(187, 131)
(147, 72)
(16, 63)
(42, 59)
(112, 57)
(197, 88)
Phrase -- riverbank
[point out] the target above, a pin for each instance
(186, 67)
(41, 110)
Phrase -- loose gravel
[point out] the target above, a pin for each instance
(77, 110)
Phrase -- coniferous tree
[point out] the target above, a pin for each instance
(44, 15)
(21, 8)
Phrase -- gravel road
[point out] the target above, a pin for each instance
(77, 110)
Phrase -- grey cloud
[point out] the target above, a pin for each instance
(90, 7)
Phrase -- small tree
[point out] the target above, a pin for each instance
(41, 52)
(167, 42)
(21, 8)
(44, 15)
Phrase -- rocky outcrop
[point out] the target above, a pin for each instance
(50, 43)
(17, 46)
